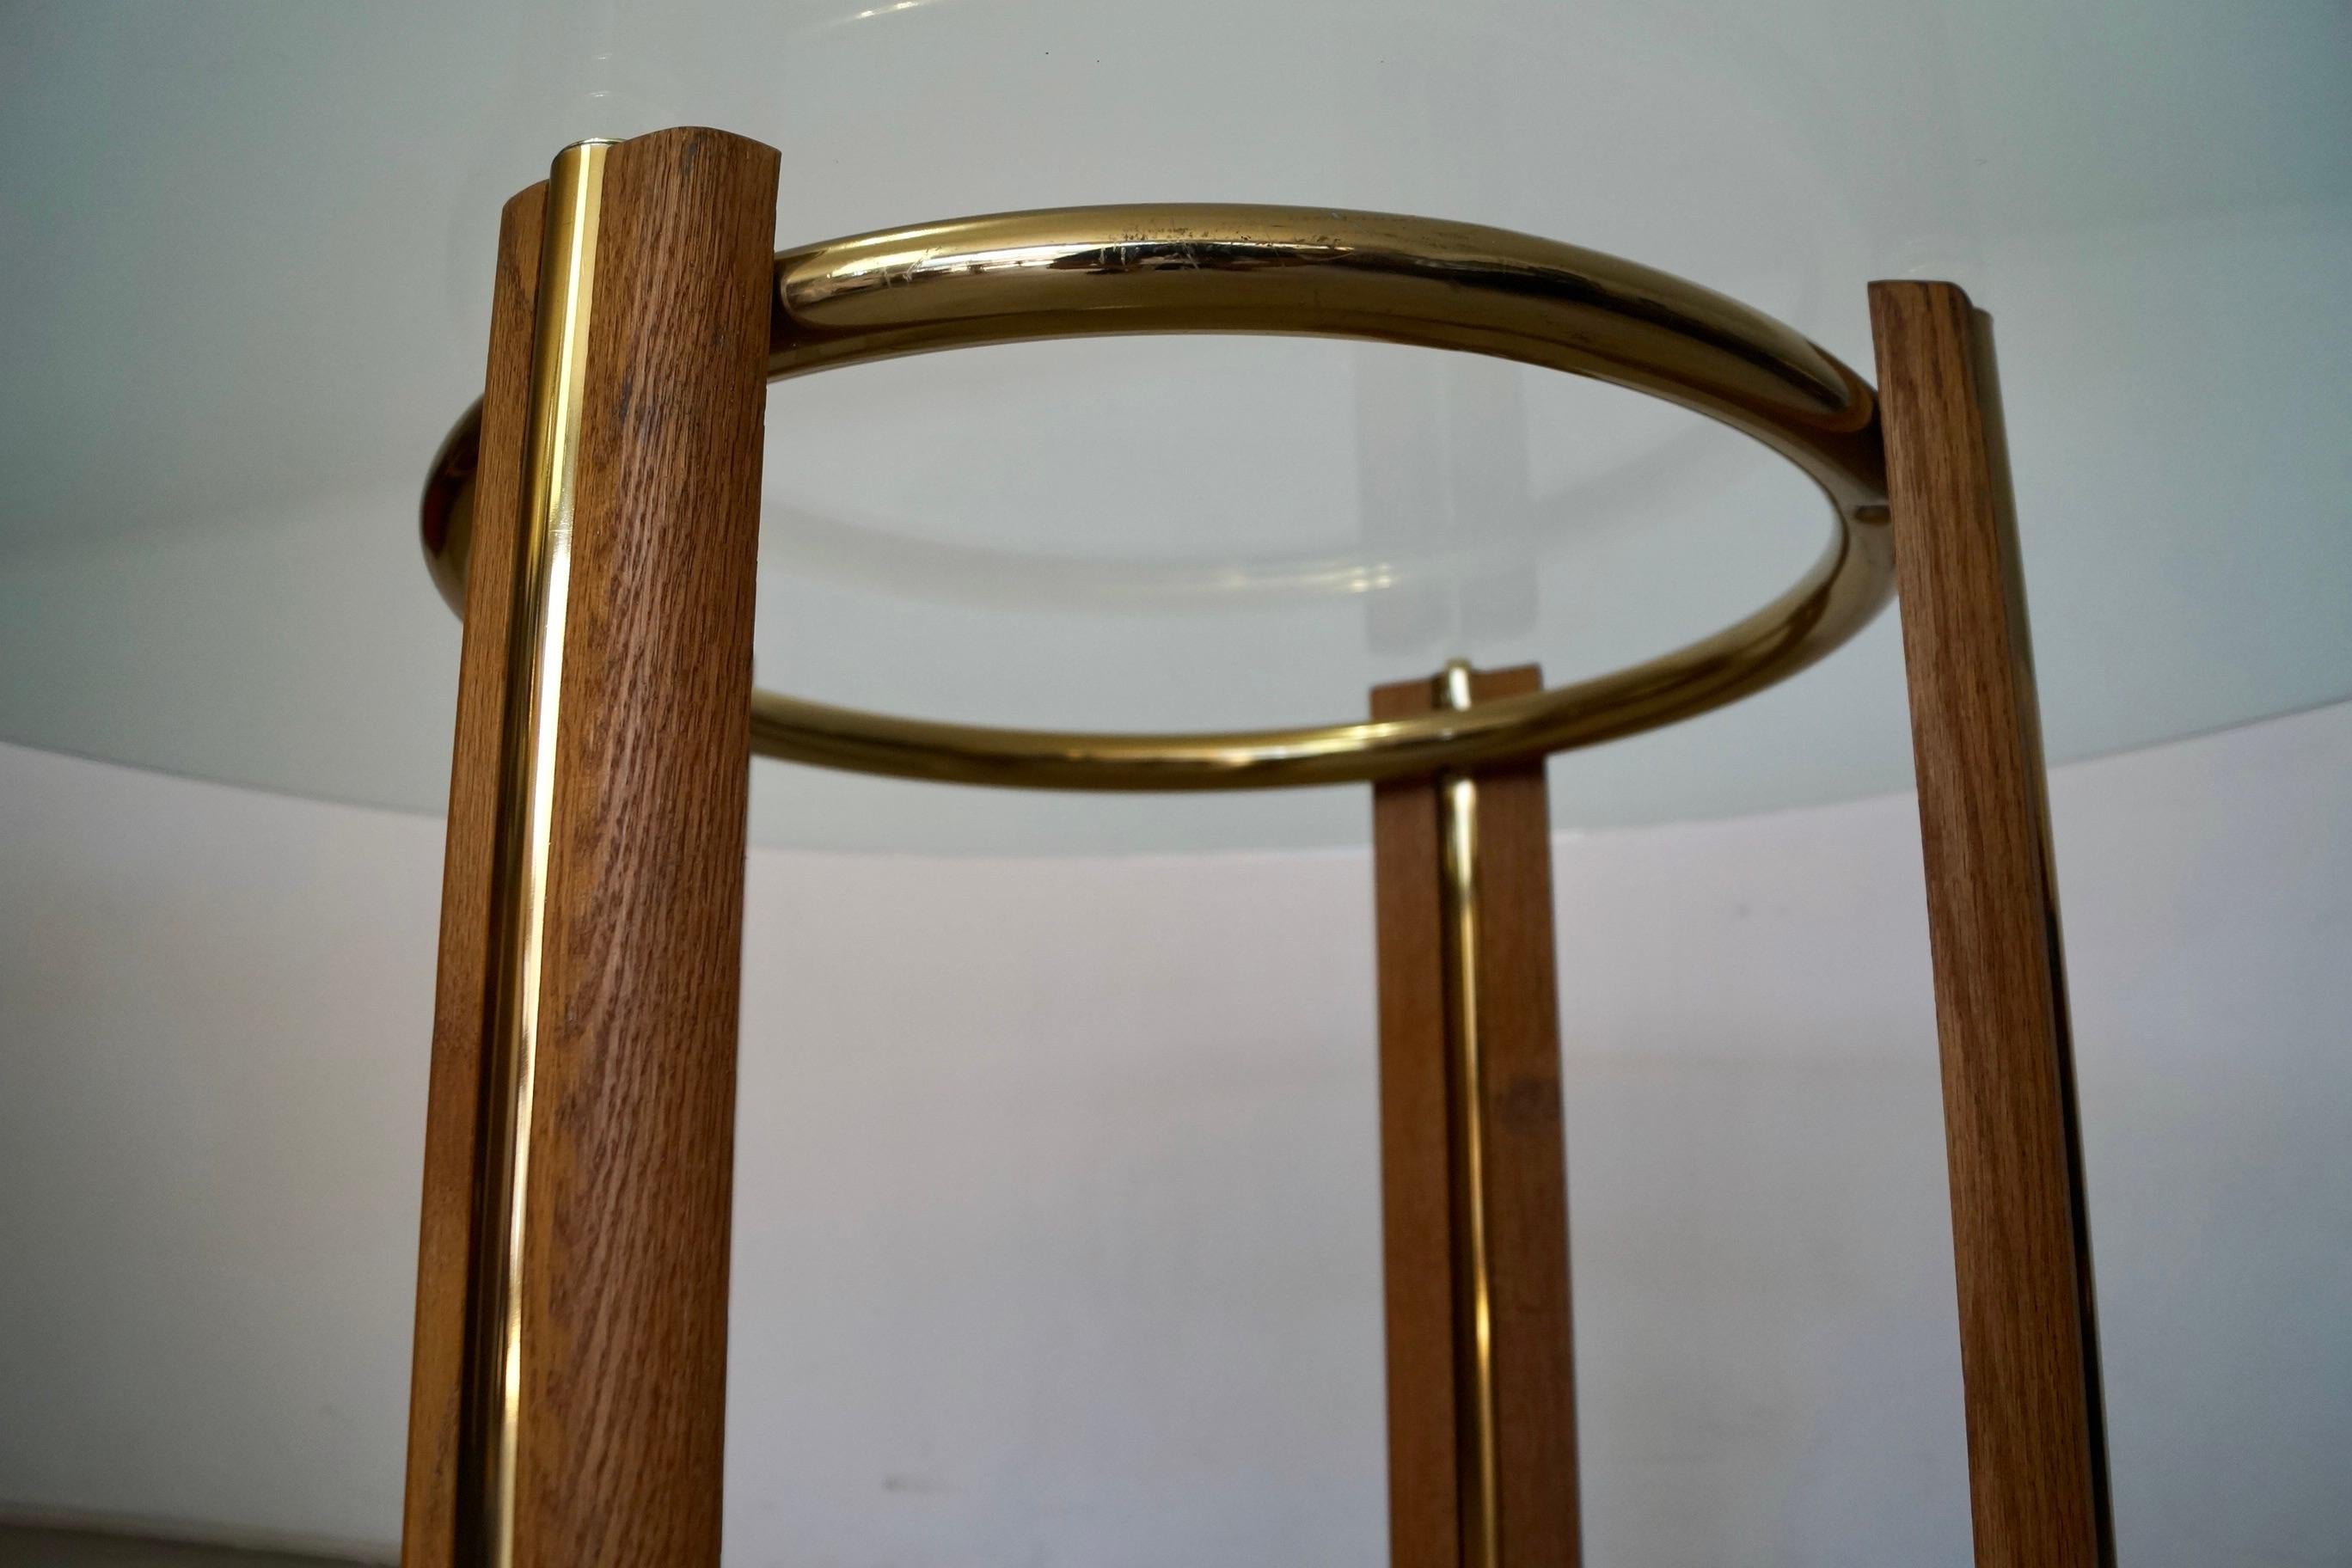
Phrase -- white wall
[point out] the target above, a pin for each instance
(1056, 1236)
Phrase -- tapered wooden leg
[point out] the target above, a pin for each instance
(568, 1391)
(1482, 1425)
(2029, 1341)
(456, 1104)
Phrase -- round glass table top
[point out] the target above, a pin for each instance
(248, 255)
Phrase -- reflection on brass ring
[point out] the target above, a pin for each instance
(1099, 271)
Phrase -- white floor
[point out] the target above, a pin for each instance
(26, 1546)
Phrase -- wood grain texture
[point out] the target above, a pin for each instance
(2029, 1346)
(1525, 1156)
(1527, 1207)
(454, 1122)
(624, 1287)
(1416, 1179)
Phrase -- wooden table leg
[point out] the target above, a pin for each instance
(438, 1375)
(571, 1323)
(2020, 1241)
(1482, 1459)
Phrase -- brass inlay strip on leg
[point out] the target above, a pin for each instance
(1474, 1342)
(567, 281)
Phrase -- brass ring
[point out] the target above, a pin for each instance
(1095, 271)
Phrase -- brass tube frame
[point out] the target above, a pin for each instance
(1093, 271)
(492, 1420)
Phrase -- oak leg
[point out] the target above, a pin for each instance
(440, 1374)
(568, 1405)
(2021, 1241)
(1482, 1426)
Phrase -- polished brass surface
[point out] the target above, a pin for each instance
(1474, 1315)
(1091, 272)
(526, 799)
